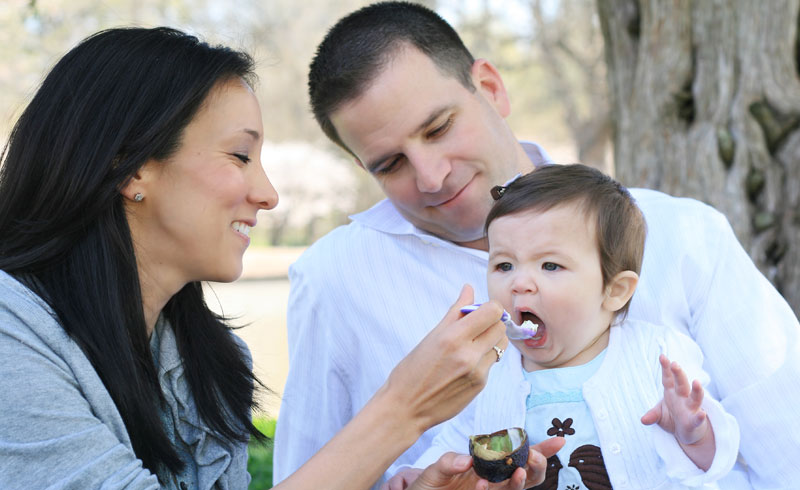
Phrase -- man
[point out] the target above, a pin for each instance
(394, 86)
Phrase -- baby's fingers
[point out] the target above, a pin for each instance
(682, 386)
(653, 415)
(666, 373)
(696, 396)
(699, 418)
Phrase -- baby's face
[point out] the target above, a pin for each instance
(544, 266)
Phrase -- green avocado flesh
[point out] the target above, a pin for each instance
(495, 456)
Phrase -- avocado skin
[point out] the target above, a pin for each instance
(499, 470)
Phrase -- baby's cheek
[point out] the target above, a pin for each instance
(498, 290)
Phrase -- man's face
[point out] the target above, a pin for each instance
(435, 147)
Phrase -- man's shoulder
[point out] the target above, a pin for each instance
(659, 201)
(658, 206)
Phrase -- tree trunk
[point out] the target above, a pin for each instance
(705, 101)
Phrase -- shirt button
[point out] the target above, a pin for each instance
(623, 482)
(616, 448)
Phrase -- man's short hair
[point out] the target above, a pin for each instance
(357, 47)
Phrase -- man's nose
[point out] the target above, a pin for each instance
(431, 170)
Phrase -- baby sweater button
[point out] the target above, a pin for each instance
(602, 414)
(616, 448)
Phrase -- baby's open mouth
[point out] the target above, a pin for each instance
(528, 316)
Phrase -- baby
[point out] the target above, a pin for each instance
(565, 249)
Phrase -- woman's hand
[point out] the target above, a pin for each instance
(453, 471)
(431, 384)
(449, 366)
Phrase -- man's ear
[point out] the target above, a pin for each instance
(488, 81)
(619, 290)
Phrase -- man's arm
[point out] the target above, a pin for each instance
(698, 278)
(749, 336)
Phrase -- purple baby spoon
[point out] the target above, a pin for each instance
(513, 331)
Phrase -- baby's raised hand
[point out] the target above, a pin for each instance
(680, 413)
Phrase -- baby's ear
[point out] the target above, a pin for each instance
(619, 290)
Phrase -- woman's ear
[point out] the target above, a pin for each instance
(489, 83)
(619, 290)
(135, 189)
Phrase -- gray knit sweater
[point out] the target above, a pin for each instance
(59, 428)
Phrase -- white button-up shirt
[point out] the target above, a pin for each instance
(365, 294)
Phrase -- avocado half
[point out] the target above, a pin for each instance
(495, 456)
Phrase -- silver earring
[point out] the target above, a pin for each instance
(138, 197)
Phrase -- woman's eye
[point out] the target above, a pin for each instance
(243, 158)
(504, 267)
(549, 266)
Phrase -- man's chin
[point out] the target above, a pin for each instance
(473, 238)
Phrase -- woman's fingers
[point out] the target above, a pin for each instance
(450, 365)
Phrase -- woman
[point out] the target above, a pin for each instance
(133, 175)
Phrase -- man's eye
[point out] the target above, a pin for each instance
(441, 129)
(550, 266)
(243, 158)
(389, 167)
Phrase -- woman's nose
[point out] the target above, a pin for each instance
(262, 193)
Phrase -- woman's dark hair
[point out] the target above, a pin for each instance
(620, 225)
(121, 97)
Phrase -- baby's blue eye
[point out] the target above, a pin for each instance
(550, 266)
(504, 267)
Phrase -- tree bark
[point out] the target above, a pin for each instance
(705, 99)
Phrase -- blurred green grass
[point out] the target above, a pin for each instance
(259, 456)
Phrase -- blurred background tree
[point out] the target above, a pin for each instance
(703, 101)
(706, 104)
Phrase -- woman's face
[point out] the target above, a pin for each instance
(200, 203)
